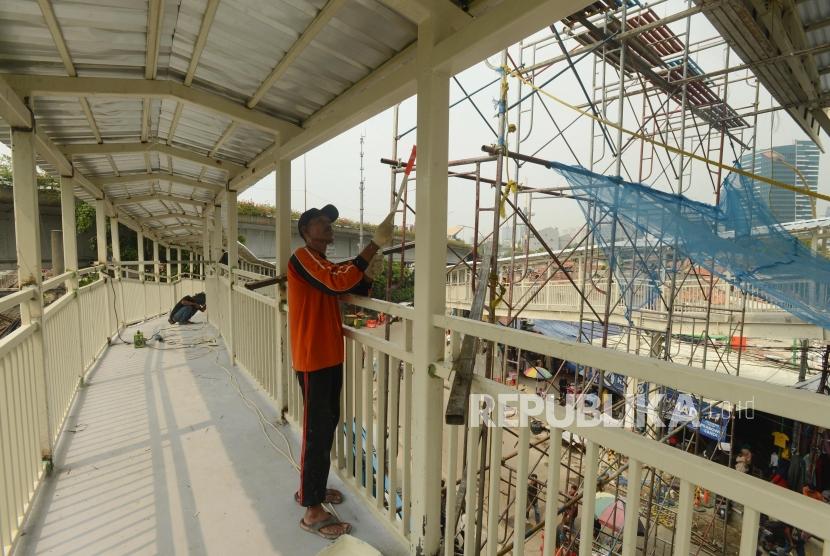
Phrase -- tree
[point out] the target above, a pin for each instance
(401, 290)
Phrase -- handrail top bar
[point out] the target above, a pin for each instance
(25, 294)
(381, 306)
(255, 296)
(91, 269)
(249, 274)
(799, 405)
(56, 281)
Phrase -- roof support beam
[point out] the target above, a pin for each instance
(90, 118)
(317, 24)
(171, 133)
(12, 108)
(57, 36)
(32, 85)
(225, 135)
(152, 147)
(160, 217)
(201, 40)
(394, 81)
(158, 197)
(156, 176)
(155, 13)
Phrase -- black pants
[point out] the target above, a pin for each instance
(321, 411)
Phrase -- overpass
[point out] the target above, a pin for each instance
(559, 300)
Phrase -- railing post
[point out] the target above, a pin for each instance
(430, 293)
(283, 253)
(156, 266)
(140, 248)
(101, 245)
(70, 254)
(233, 263)
(116, 262)
(27, 235)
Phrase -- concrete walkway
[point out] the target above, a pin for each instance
(160, 455)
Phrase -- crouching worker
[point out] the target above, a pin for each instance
(314, 284)
(186, 308)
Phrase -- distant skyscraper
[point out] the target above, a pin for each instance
(779, 163)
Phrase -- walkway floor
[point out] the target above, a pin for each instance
(162, 456)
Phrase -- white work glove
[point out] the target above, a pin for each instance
(375, 267)
(383, 233)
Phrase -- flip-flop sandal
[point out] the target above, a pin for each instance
(332, 496)
(316, 527)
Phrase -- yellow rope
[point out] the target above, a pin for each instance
(675, 150)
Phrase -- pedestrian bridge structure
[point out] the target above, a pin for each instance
(731, 313)
(159, 114)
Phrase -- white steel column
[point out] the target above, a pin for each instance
(27, 235)
(283, 253)
(229, 204)
(216, 239)
(140, 248)
(190, 256)
(101, 230)
(430, 290)
(232, 229)
(156, 266)
(178, 262)
(206, 238)
(116, 246)
(169, 267)
(101, 247)
(115, 239)
(70, 238)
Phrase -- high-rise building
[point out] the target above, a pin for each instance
(780, 163)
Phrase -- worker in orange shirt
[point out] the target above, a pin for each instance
(314, 284)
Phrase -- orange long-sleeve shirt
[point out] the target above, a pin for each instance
(314, 322)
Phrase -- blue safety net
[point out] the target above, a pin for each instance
(739, 241)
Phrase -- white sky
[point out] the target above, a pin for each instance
(333, 169)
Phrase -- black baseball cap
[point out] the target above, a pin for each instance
(306, 217)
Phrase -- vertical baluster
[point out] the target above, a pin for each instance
(471, 502)
(519, 519)
(359, 426)
(368, 419)
(552, 492)
(18, 448)
(351, 441)
(407, 445)
(683, 524)
(394, 420)
(452, 478)
(493, 496)
(380, 448)
(7, 509)
(589, 485)
(340, 454)
(632, 507)
(749, 532)
(26, 395)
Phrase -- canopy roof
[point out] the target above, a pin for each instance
(158, 107)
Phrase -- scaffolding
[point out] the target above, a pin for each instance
(655, 116)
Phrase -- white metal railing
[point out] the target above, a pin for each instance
(688, 471)
(43, 362)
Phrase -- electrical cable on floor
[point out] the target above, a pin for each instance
(115, 309)
(211, 343)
